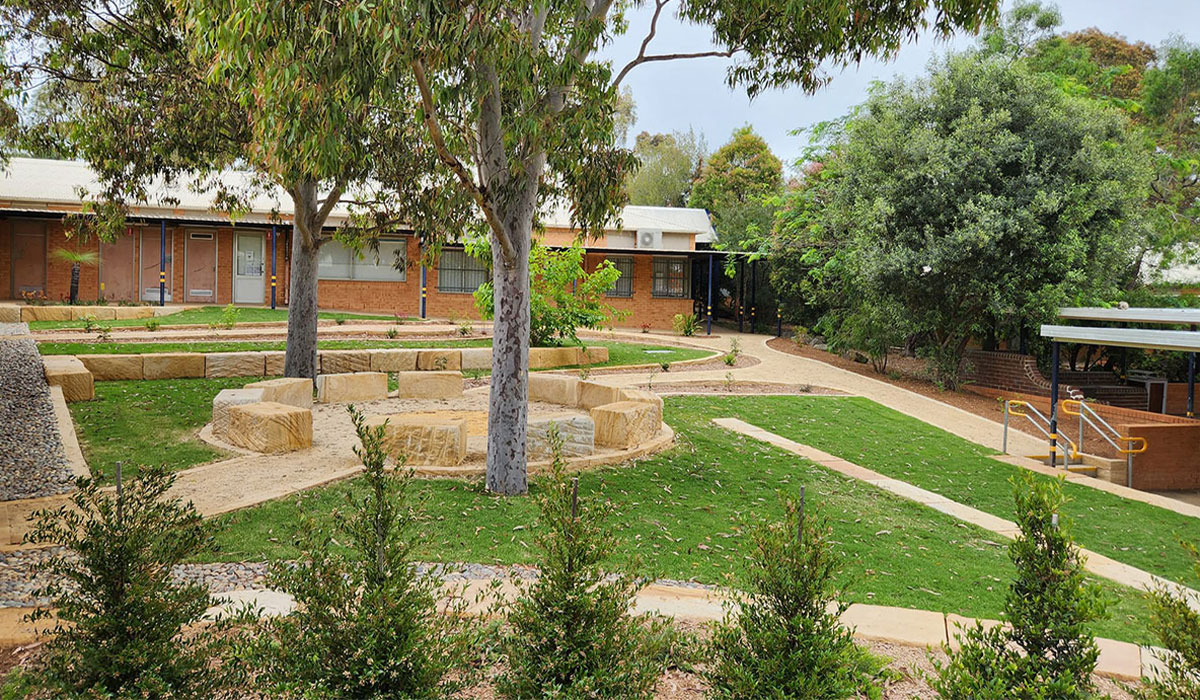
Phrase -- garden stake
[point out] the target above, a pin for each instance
(120, 492)
(575, 498)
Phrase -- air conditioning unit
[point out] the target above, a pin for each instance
(649, 238)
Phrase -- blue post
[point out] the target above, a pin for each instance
(741, 273)
(162, 263)
(1054, 406)
(273, 278)
(710, 285)
(423, 289)
(753, 294)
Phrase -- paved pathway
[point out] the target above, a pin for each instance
(1096, 563)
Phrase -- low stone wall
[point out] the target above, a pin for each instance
(13, 313)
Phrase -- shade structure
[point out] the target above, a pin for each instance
(1186, 341)
(1163, 316)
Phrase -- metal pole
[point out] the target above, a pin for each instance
(1054, 406)
(741, 289)
(162, 263)
(753, 294)
(274, 280)
(778, 320)
(423, 288)
(1129, 469)
(710, 286)
(1004, 440)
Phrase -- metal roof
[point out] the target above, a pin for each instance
(1188, 341)
(1091, 313)
(44, 185)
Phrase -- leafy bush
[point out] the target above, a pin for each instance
(1177, 625)
(122, 628)
(563, 296)
(229, 318)
(368, 623)
(1046, 652)
(785, 640)
(686, 324)
(570, 632)
(392, 333)
(152, 324)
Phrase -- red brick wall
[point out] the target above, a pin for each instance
(5, 259)
(1009, 371)
(1172, 457)
(58, 273)
(643, 306)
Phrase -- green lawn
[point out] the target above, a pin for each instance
(209, 314)
(684, 512)
(618, 353)
(901, 447)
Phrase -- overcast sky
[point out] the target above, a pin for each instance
(678, 94)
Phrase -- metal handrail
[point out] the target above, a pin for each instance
(1010, 404)
(1087, 413)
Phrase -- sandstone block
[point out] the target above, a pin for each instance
(172, 365)
(68, 372)
(270, 427)
(429, 385)
(289, 391)
(439, 360)
(347, 388)
(225, 400)
(106, 368)
(345, 361)
(476, 358)
(124, 312)
(46, 313)
(10, 313)
(99, 313)
(554, 388)
(424, 440)
(625, 423)
(595, 355)
(578, 434)
(393, 360)
(643, 396)
(234, 364)
(592, 394)
(274, 363)
(546, 358)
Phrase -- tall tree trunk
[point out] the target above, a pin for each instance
(300, 359)
(508, 406)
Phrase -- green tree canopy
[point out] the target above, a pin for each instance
(735, 185)
(667, 164)
(977, 196)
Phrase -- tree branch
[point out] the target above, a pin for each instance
(643, 58)
(456, 166)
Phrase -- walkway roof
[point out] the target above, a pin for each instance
(1187, 341)
(1093, 313)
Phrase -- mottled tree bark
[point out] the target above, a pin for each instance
(300, 359)
(508, 406)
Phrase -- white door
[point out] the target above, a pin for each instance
(248, 255)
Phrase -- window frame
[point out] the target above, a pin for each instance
(615, 292)
(356, 261)
(658, 264)
(468, 267)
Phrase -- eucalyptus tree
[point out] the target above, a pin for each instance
(517, 106)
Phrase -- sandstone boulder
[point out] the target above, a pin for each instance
(546, 358)
(429, 385)
(592, 394)
(225, 400)
(345, 361)
(172, 365)
(595, 355)
(234, 364)
(274, 360)
(439, 359)
(289, 391)
(424, 440)
(476, 358)
(643, 396)
(347, 388)
(393, 360)
(270, 427)
(578, 434)
(46, 313)
(99, 313)
(10, 313)
(106, 368)
(68, 372)
(625, 423)
(554, 388)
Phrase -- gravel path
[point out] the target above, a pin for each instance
(32, 459)
(19, 579)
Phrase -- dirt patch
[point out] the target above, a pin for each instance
(743, 389)
(743, 361)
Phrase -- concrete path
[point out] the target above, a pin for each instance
(1096, 563)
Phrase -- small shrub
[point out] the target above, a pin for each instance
(89, 324)
(686, 324)
(570, 634)
(228, 319)
(650, 380)
(104, 333)
(664, 366)
(123, 629)
(1047, 651)
(585, 371)
(466, 328)
(340, 320)
(645, 327)
(729, 381)
(786, 639)
(152, 325)
(730, 359)
(1177, 625)
(392, 332)
(735, 347)
(368, 623)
